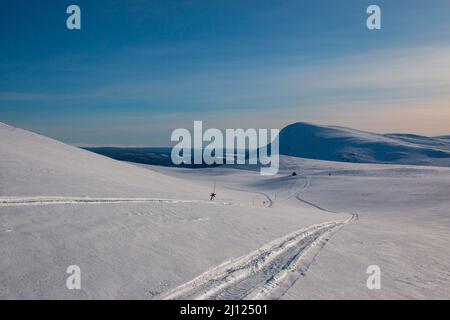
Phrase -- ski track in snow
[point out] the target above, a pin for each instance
(264, 273)
(29, 201)
(312, 204)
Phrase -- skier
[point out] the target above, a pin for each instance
(213, 194)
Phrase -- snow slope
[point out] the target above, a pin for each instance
(403, 226)
(350, 145)
(145, 232)
(34, 165)
(134, 232)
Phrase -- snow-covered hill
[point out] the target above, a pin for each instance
(34, 165)
(350, 145)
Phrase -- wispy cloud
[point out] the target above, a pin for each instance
(407, 73)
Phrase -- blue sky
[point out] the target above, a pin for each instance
(139, 69)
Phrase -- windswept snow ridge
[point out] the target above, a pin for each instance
(263, 271)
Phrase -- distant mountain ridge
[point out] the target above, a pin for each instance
(336, 143)
(443, 137)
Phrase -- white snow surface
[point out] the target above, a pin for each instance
(146, 232)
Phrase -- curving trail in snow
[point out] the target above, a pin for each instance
(264, 273)
(30, 201)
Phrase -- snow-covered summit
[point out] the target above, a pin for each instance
(345, 144)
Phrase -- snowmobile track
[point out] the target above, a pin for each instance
(264, 272)
(29, 201)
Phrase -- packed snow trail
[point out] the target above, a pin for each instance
(266, 270)
(29, 201)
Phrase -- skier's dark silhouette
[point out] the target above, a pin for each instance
(294, 173)
(213, 194)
